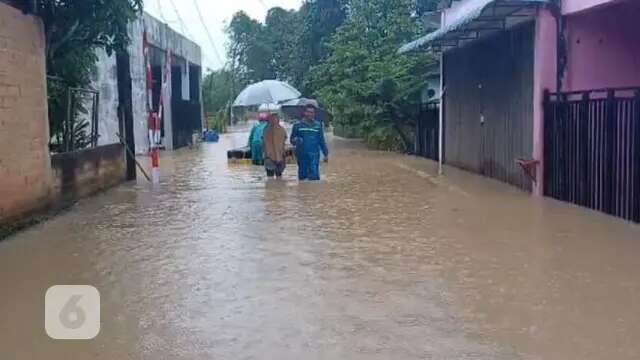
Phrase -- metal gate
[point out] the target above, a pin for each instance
(187, 120)
(592, 150)
(488, 105)
(73, 117)
(427, 131)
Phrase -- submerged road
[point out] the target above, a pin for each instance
(381, 260)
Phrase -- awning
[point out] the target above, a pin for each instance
(485, 16)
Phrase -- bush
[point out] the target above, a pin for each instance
(218, 121)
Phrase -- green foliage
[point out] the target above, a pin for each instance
(344, 52)
(74, 134)
(282, 30)
(74, 29)
(216, 90)
(249, 51)
(286, 46)
(218, 121)
(320, 19)
(364, 80)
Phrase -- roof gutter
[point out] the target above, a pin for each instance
(489, 15)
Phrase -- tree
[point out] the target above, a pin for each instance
(364, 80)
(286, 46)
(345, 53)
(320, 19)
(249, 51)
(74, 30)
(216, 91)
(282, 28)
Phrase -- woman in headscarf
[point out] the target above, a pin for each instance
(274, 140)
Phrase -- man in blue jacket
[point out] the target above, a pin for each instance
(308, 137)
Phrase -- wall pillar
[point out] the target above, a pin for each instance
(125, 110)
(167, 95)
(544, 77)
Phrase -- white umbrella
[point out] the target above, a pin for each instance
(266, 92)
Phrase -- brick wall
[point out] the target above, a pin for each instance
(25, 170)
(32, 182)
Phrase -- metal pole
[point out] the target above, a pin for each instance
(123, 142)
(96, 119)
(69, 128)
(441, 120)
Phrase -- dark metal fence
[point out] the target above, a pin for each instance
(427, 131)
(592, 150)
(73, 117)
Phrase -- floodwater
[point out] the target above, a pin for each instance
(381, 260)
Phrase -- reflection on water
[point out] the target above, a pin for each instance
(380, 260)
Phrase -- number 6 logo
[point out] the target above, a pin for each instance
(72, 316)
(72, 312)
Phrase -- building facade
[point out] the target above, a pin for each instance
(34, 181)
(180, 96)
(511, 72)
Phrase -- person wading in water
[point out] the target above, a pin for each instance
(308, 137)
(274, 140)
(255, 140)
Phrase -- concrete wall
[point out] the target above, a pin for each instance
(603, 44)
(106, 82)
(82, 173)
(25, 172)
(139, 87)
(162, 37)
(544, 78)
(31, 180)
(604, 48)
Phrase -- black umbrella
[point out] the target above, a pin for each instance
(295, 108)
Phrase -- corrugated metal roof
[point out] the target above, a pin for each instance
(476, 20)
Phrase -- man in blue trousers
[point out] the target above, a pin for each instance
(308, 137)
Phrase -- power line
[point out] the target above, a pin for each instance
(164, 18)
(204, 24)
(184, 28)
(159, 2)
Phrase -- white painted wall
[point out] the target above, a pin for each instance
(184, 69)
(162, 37)
(138, 87)
(106, 82)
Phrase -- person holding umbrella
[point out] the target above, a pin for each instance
(275, 137)
(308, 138)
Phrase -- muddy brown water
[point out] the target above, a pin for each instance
(381, 260)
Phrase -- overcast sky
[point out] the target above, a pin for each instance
(216, 14)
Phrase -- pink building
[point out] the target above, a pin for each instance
(603, 44)
(545, 95)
